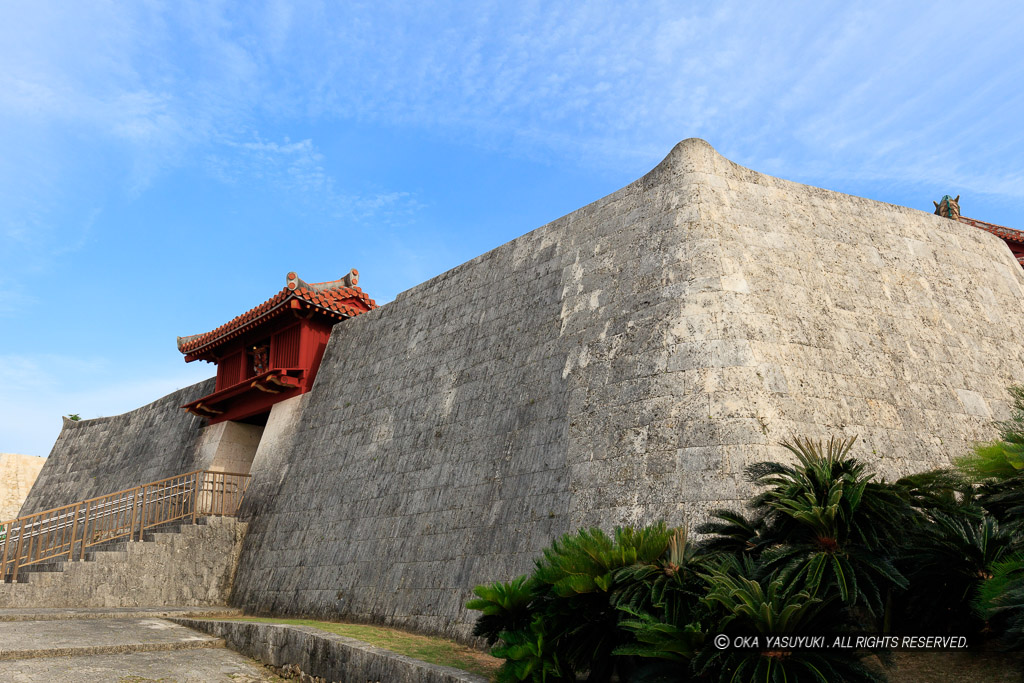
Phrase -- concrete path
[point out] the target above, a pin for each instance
(128, 646)
(58, 613)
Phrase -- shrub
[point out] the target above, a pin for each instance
(1000, 600)
(505, 607)
(822, 520)
(823, 549)
(746, 600)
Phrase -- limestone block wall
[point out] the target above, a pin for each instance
(623, 364)
(17, 474)
(191, 567)
(230, 446)
(107, 454)
(327, 656)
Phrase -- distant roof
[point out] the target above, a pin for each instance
(998, 230)
(339, 299)
(1014, 238)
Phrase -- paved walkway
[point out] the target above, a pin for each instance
(127, 646)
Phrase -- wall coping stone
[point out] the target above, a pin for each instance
(323, 654)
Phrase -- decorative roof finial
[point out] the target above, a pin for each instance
(948, 207)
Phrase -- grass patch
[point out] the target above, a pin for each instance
(425, 648)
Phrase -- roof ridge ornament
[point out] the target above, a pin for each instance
(948, 207)
(337, 300)
(351, 279)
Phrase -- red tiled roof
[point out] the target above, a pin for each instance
(998, 230)
(339, 299)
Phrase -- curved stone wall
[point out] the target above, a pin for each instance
(107, 454)
(623, 364)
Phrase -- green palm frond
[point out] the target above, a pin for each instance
(669, 587)
(585, 562)
(578, 580)
(530, 655)
(743, 599)
(658, 639)
(952, 557)
(732, 532)
(823, 520)
(1000, 600)
(763, 604)
(505, 607)
(993, 460)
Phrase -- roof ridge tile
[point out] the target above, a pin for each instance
(331, 299)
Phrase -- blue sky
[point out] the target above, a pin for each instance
(163, 165)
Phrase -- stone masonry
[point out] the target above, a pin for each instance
(621, 364)
(17, 474)
(325, 656)
(108, 454)
(191, 567)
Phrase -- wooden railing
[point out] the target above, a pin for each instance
(66, 532)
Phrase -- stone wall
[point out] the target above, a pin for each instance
(17, 474)
(188, 568)
(108, 454)
(230, 446)
(327, 656)
(623, 364)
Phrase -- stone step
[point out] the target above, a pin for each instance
(124, 573)
(107, 556)
(49, 638)
(124, 648)
(119, 544)
(195, 666)
(69, 613)
(100, 550)
(47, 566)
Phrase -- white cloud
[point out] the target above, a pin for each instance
(607, 83)
(294, 166)
(831, 91)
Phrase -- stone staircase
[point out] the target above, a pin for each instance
(176, 564)
(95, 553)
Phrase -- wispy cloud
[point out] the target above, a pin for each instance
(839, 87)
(868, 86)
(292, 166)
(14, 298)
(296, 170)
(101, 102)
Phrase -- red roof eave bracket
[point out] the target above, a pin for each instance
(273, 381)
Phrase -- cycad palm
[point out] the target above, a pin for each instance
(743, 599)
(505, 608)
(668, 586)
(825, 521)
(1001, 600)
(952, 557)
(575, 581)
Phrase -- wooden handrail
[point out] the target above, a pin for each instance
(57, 532)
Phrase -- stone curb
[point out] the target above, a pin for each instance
(61, 614)
(36, 653)
(323, 654)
